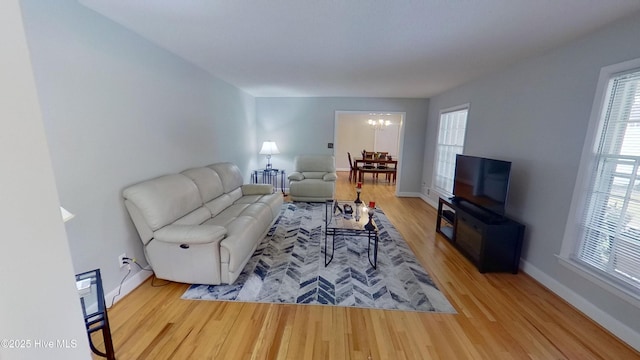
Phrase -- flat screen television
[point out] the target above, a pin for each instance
(483, 182)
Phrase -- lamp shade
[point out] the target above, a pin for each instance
(269, 148)
(66, 215)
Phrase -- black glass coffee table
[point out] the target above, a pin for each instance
(337, 222)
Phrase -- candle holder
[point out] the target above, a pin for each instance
(357, 201)
(369, 226)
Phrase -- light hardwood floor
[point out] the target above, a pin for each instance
(500, 316)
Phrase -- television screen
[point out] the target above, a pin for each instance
(481, 181)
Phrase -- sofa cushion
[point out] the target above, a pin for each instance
(229, 174)
(237, 247)
(235, 194)
(208, 182)
(164, 199)
(249, 199)
(217, 205)
(190, 234)
(226, 216)
(257, 189)
(273, 201)
(261, 212)
(196, 217)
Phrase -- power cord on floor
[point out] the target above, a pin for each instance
(113, 300)
(153, 284)
(128, 262)
(167, 282)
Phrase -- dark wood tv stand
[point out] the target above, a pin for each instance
(491, 242)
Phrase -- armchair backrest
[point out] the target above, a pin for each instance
(315, 163)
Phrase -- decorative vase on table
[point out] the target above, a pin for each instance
(357, 201)
(369, 226)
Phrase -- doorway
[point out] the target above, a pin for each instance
(354, 133)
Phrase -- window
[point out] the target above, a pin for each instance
(451, 131)
(608, 234)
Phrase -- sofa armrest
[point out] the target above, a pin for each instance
(297, 176)
(190, 234)
(257, 189)
(330, 176)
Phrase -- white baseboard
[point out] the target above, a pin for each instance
(422, 196)
(132, 282)
(408, 194)
(429, 200)
(622, 331)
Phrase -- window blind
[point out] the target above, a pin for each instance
(610, 241)
(451, 134)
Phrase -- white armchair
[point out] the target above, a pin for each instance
(313, 179)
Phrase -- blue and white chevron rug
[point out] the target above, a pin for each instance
(288, 267)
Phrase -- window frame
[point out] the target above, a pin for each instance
(588, 163)
(434, 182)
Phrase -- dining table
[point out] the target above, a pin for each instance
(391, 166)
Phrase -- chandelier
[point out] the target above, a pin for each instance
(380, 124)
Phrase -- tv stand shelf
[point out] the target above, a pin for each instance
(491, 242)
(446, 219)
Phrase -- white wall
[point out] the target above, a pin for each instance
(351, 136)
(39, 301)
(118, 110)
(535, 114)
(387, 139)
(306, 125)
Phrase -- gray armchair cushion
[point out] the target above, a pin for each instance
(313, 174)
(330, 177)
(295, 176)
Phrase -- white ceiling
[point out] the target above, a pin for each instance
(364, 48)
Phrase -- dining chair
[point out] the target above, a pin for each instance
(391, 172)
(368, 155)
(382, 155)
(353, 170)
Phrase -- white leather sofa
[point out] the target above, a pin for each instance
(201, 226)
(313, 179)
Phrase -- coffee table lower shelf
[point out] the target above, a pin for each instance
(372, 236)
